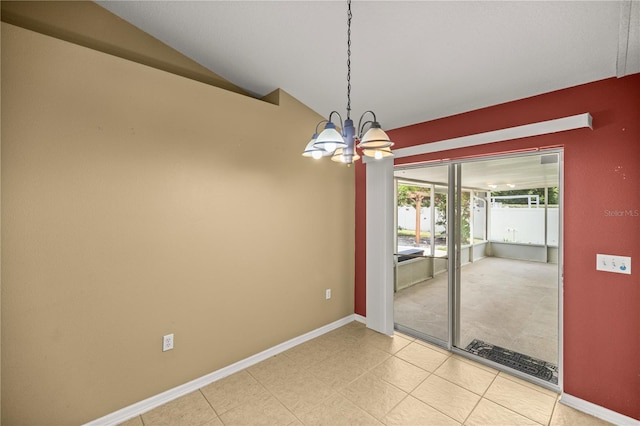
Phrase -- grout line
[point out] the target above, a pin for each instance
(555, 407)
(455, 384)
(476, 364)
(481, 396)
(209, 402)
(402, 360)
(273, 395)
(472, 410)
(460, 386)
(395, 406)
(432, 373)
(437, 409)
(509, 377)
(512, 410)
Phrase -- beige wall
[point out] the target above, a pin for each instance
(137, 203)
(88, 24)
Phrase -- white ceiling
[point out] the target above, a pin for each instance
(411, 61)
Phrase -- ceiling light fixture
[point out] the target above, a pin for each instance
(374, 142)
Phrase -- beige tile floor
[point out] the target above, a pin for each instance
(355, 376)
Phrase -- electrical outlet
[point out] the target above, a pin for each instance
(612, 263)
(167, 342)
(327, 294)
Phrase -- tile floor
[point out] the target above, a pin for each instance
(355, 376)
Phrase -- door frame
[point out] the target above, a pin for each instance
(380, 194)
(380, 217)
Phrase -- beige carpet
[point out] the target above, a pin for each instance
(508, 303)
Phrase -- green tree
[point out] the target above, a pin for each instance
(553, 195)
(416, 197)
(407, 195)
(441, 207)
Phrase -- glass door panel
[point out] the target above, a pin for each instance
(421, 292)
(507, 286)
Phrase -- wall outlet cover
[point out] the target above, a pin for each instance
(167, 342)
(613, 263)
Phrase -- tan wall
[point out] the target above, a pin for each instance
(137, 203)
(88, 24)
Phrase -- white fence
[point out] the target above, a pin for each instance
(524, 226)
(514, 225)
(407, 219)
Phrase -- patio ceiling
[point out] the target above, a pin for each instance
(523, 172)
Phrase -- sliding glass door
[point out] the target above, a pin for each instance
(477, 259)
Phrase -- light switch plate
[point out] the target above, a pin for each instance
(613, 263)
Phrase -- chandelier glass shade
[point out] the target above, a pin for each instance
(375, 138)
(339, 156)
(313, 152)
(378, 153)
(368, 137)
(329, 139)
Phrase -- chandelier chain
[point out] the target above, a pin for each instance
(342, 146)
(349, 59)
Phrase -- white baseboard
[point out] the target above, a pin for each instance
(162, 398)
(360, 318)
(598, 411)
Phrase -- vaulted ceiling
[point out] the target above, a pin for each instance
(412, 61)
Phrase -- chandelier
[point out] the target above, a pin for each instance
(341, 147)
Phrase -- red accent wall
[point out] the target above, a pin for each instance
(602, 174)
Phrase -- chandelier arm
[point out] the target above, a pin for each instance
(361, 124)
(369, 112)
(319, 123)
(339, 116)
(361, 128)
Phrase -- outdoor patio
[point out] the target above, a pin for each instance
(504, 302)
